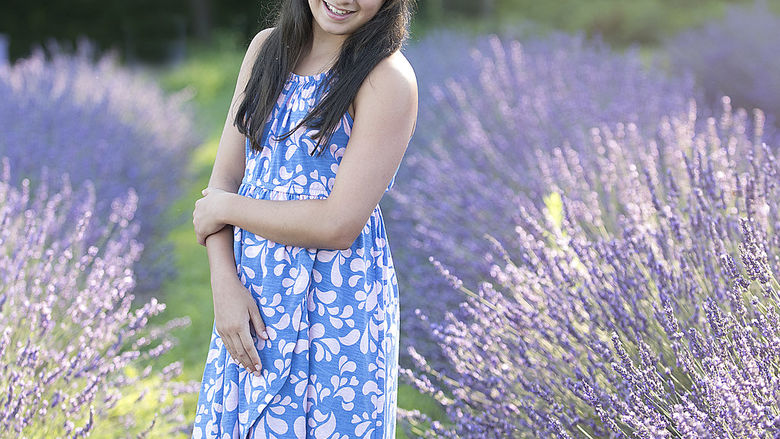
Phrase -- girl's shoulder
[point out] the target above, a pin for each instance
(259, 38)
(392, 71)
(253, 51)
(392, 81)
(397, 60)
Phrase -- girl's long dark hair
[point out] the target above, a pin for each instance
(376, 39)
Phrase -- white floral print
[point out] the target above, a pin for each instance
(329, 368)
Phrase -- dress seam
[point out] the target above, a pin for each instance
(282, 189)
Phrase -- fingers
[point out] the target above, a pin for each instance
(229, 345)
(257, 322)
(201, 238)
(242, 348)
(237, 337)
(237, 351)
(250, 351)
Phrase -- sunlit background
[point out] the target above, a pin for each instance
(584, 226)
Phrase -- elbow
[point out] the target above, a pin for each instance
(226, 185)
(343, 237)
(343, 226)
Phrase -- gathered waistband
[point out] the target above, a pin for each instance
(287, 189)
(250, 187)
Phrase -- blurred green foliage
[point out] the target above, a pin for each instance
(156, 31)
(133, 27)
(619, 22)
(143, 30)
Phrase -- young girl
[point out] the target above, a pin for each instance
(306, 326)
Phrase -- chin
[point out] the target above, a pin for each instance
(349, 25)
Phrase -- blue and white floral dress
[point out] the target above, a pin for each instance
(330, 366)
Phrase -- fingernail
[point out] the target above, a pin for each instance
(265, 335)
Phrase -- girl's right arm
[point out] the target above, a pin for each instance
(234, 306)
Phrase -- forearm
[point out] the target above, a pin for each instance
(219, 245)
(302, 223)
(222, 262)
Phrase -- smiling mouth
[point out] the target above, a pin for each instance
(336, 11)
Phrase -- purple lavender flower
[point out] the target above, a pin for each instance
(490, 106)
(645, 306)
(99, 122)
(70, 339)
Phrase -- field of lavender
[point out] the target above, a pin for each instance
(589, 249)
(94, 120)
(585, 213)
(76, 356)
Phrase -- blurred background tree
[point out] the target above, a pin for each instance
(155, 31)
(141, 30)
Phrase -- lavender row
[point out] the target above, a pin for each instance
(644, 301)
(97, 121)
(491, 105)
(734, 56)
(70, 339)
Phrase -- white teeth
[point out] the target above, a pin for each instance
(335, 10)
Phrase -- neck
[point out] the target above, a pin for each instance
(324, 45)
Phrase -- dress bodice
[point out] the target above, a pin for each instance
(287, 165)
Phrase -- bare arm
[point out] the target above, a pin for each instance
(385, 115)
(229, 170)
(235, 310)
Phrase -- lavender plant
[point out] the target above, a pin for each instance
(644, 303)
(98, 121)
(71, 347)
(734, 56)
(488, 105)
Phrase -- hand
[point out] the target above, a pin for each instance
(207, 211)
(234, 308)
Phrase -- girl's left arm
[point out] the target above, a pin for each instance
(385, 117)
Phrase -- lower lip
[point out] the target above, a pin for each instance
(334, 16)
